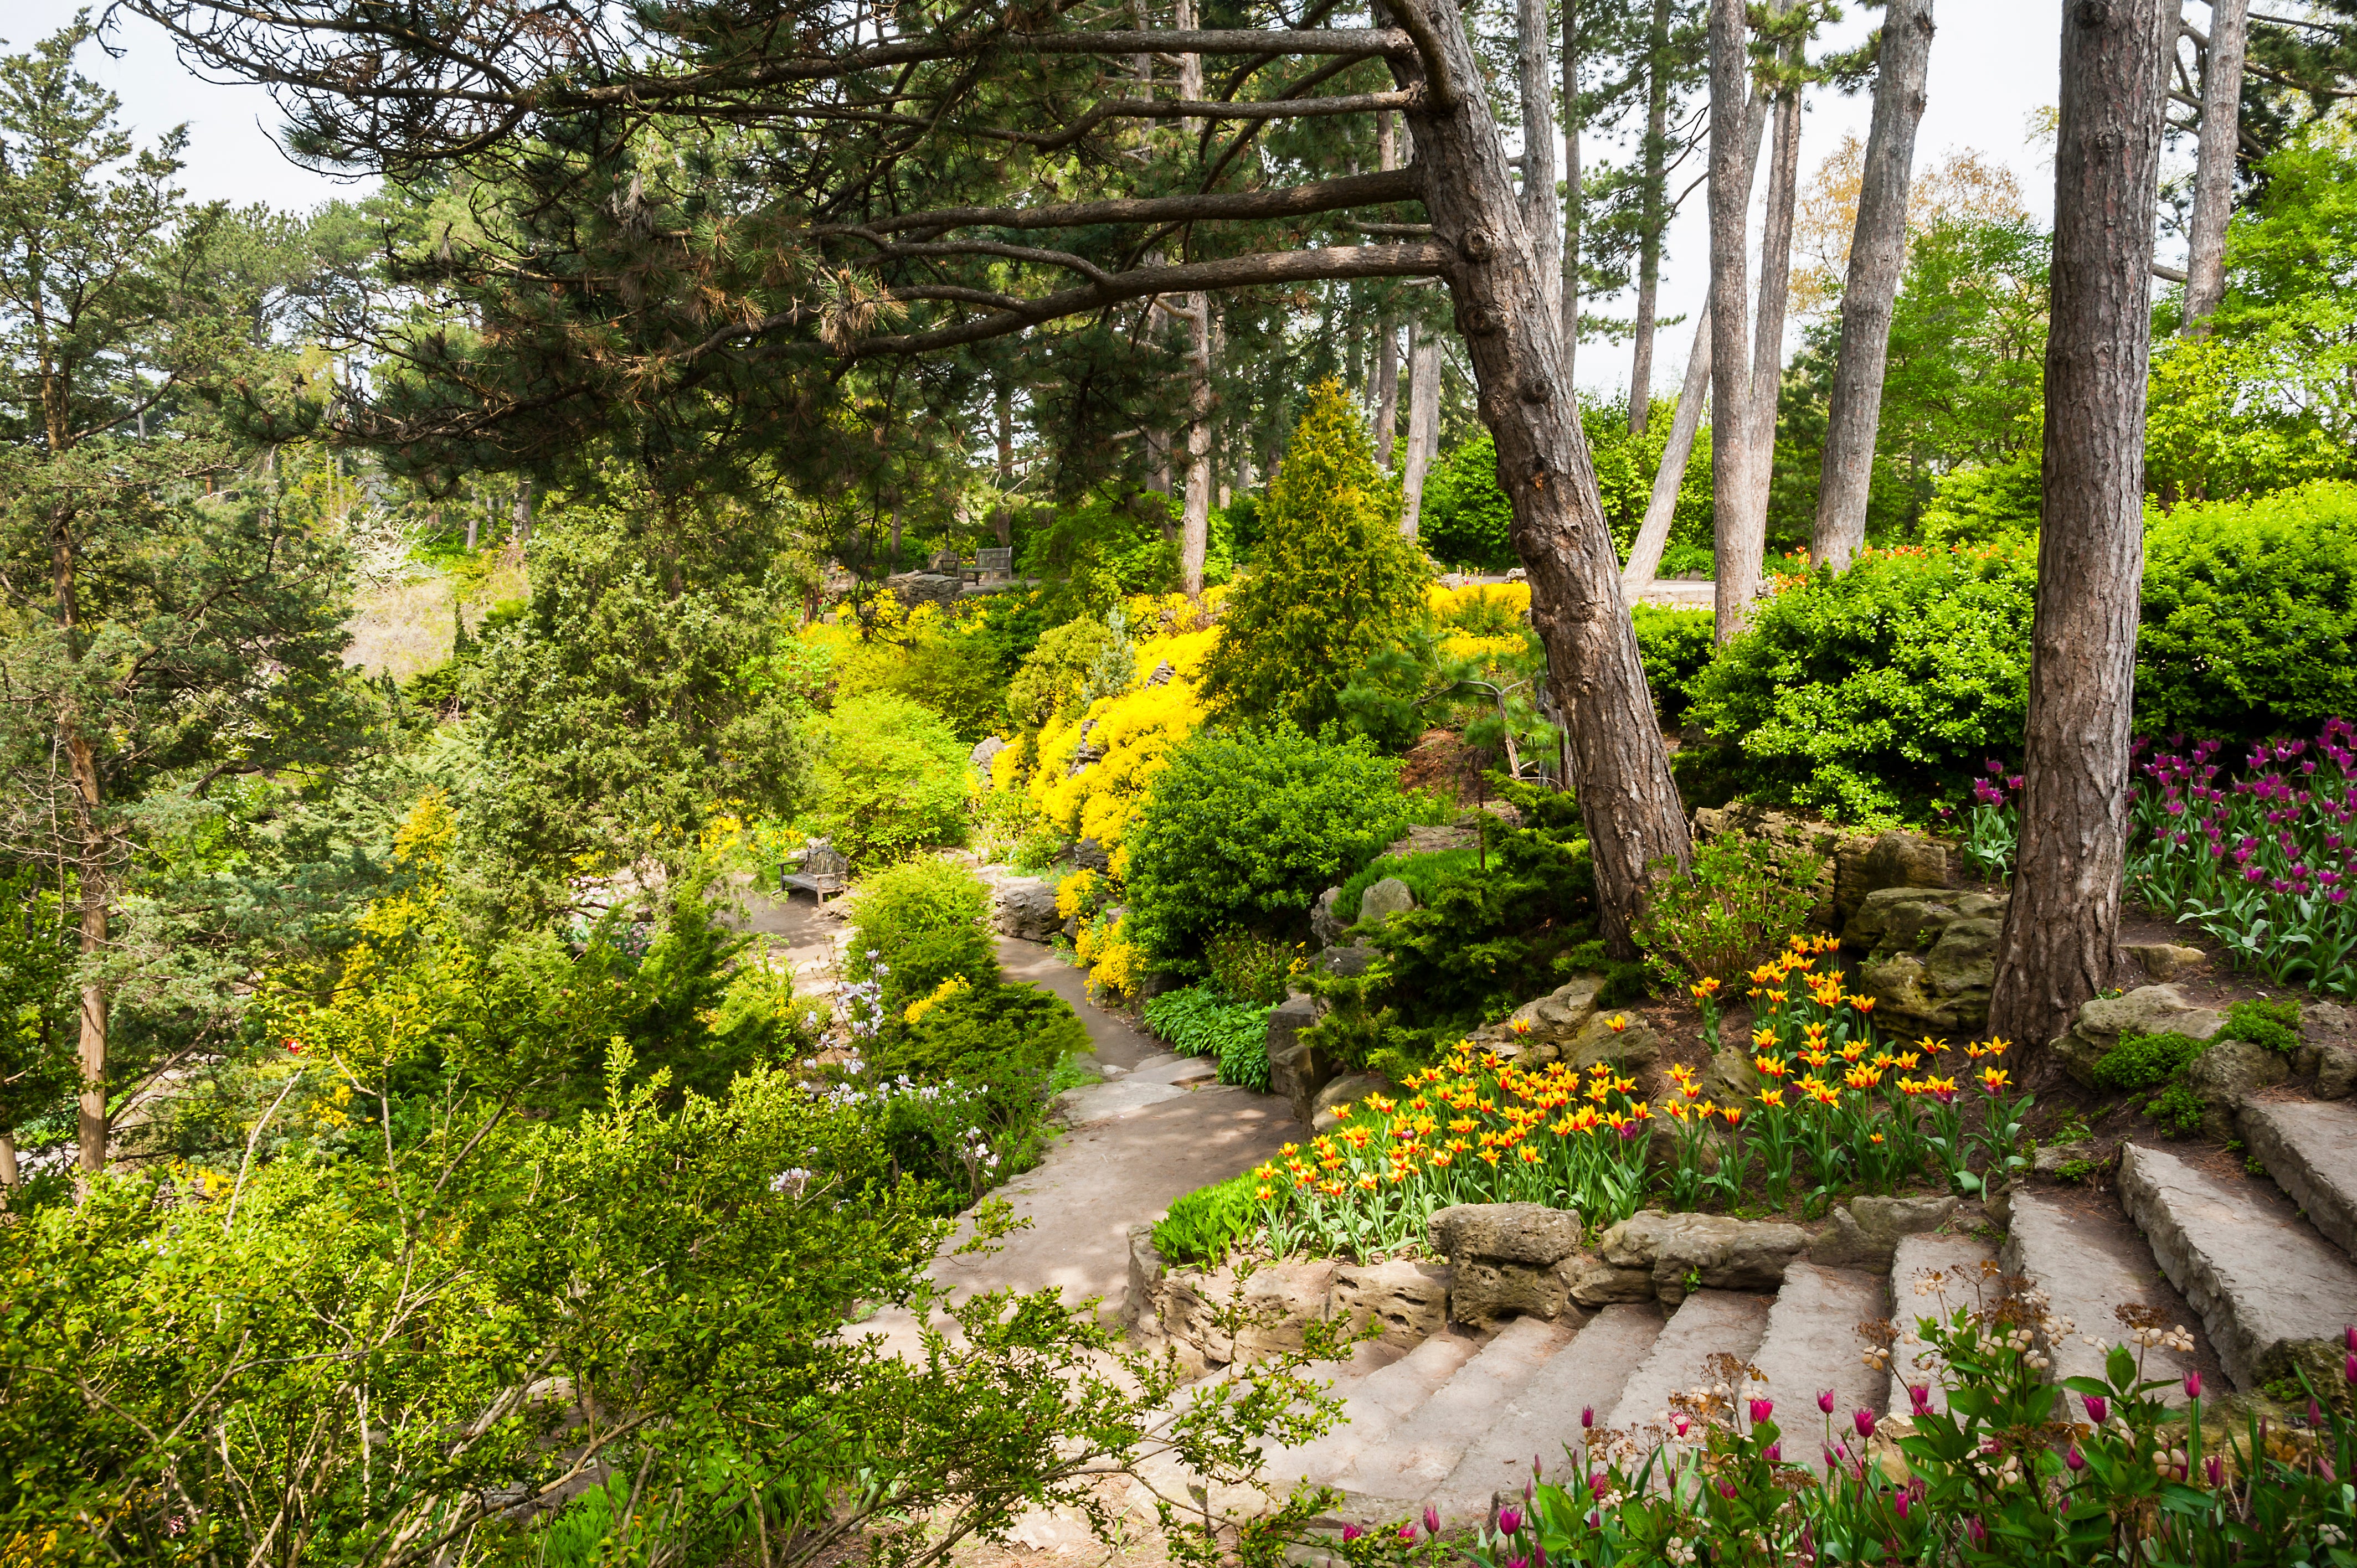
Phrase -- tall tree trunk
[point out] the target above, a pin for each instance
(1653, 198)
(895, 559)
(519, 521)
(1620, 765)
(1775, 293)
(1878, 251)
(2213, 168)
(92, 874)
(9, 1174)
(1662, 509)
(1735, 563)
(2062, 924)
(1195, 521)
(1570, 309)
(1423, 421)
(1388, 365)
(1537, 86)
(1002, 519)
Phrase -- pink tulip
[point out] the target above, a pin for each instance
(1510, 1521)
(2097, 1406)
(1864, 1421)
(1762, 1409)
(2076, 1460)
(1920, 1395)
(2193, 1385)
(1431, 1520)
(1352, 1533)
(1825, 1400)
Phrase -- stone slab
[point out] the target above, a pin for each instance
(1707, 1323)
(1422, 1450)
(2272, 1292)
(2310, 1149)
(1372, 1410)
(1931, 1276)
(1092, 1103)
(1811, 1345)
(1540, 1419)
(2090, 1262)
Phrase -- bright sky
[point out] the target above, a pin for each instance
(1993, 63)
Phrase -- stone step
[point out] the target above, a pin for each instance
(2274, 1294)
(1706, 1323)
(2309, 1146)
(1372, 1409)
(1541, 1420)
(2092, 1264)
(1931, 1276)
(1397, 1473)
(1811, 1345)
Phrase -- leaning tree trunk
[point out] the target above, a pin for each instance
(1195, 519)
(1877, 249)
(1620, 767)
(1387, 358)
(1538, 140)
(2213, 169)
(1652, 217)
(2062, 924)
(1423, 423)
(1570, 309)
(1002, 517)
(1767, 335)
(1662, 509)
(1736, 567)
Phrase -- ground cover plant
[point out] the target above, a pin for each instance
(1199, 1021)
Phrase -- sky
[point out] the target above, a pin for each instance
(1994, 63)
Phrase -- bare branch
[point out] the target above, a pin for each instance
(1288, 201)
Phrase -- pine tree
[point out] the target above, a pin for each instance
(1335, 583)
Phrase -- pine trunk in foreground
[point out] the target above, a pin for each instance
(1735, 568)
(1570, 310)
(1538, 138)
(1878, 251)
(1618, 764)
(1195, 515)
(2213, 169)
(2061, 927)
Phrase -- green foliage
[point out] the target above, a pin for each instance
(2274, 1025)
(2143, 1061)
(1676, 645)
(1248, 967)
(893, 780)
(1111, 543)
(2250, 615)
(2176, 1111)
(1981, 503)
(1626, 465)
(922, 921)
(1464, 519)
(1862, 692)
(1424, 874)
(37, 1070)
(1056, 672)
(1247, 830)
(1334, 583)
(1199, 1021)
(957, 665)
(986, 1029)
(1200, 1227)
(1739, 904)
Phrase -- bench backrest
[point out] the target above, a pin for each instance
(995, 560)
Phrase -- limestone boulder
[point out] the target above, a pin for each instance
(1090, 855)
(1820, 840)
(2165, 961)
(1347, 962)
(985, 751)
(1484, 1292)
(1349, 1088)
(1024, 907)
(1865, 866)
(1865, 1232)
(1730, 1078)
(1715, 1251)
(2147, 1010)
(914, 588)
(1278, 1302)
(1537, 1031)
(1407, 1300)
(2227, 1074)
(2335, 1071)
(1505, 1233)
(1593, 1281)
(1622, 1038)
(1324, 927)
(2051, 1158)
(1383, 899)
(1296, 1068)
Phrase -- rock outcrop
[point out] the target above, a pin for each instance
(1024, 907)
(2148, 1010)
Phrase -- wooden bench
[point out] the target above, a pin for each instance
(823, 871)
(994, 564)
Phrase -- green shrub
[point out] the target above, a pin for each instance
(2141, 1061)
(1199, 1021)
(1200, 1227)
(922, 921)
(2274, 1025)
(1862, 692)
(1734, 908)
(2176, 1111)
(984, 1029)
(1247, 830)
(1465, 516)
(1676, 645)
(893, 780)
(1246, 968)
(1335, 583)
(1424, 874)
(2250, 615)
(1055, 672)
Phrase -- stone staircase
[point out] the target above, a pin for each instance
(2261, 1272)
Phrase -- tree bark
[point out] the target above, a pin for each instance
(520, 521)
(1736, 568)
(2213, 169)
(1387, 370)
(1653, 201)
(1538, 140)
(1570, 309)
(2062, 924)
(1620, 765)
(1195, 521)
(1423, 423)
(1002, 520)
(1775, 293)
(1661, 510)
(9, 1176)
(1877, 252)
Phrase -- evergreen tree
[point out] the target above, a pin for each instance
(1336, 582)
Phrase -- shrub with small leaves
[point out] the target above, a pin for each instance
(2176, 1111)
(1738, 903)
(2141, 1061)
(2274, 1025)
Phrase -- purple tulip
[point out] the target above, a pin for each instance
(1510, 1521)
(1431, 1520)
(1825, 1400)
(1975, 1532)
(2215, 1469)
(1352, 1533)
(1920, 1396)
(2076, 1460)
(1775, 1454)
(2348, 1368)
(2193, 1385)
(1864, 1421)
(2098, 1407)
(1899, 1500)
(1599, 1483)
(1407, 1532)
(1726, 1489)
(1762, 1409)
(1587, 1417)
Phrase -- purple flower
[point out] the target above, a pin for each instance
(1864, 1421)
(2098, 1407)
(1587, 1417)
(1431, 1520)
(2193, 1385)
(2076, 1460)
(1775, 1454)
(2215, 1469)
(1762, 1409)
(1825, 1400)
(1599, 1484)
(1407, 1532)
(1352, 1533)
(1920, 1396)
(1900, 1502)
(1975, 1532)
(1510, 1521)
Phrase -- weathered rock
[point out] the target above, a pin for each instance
(1730, 1078)
(1505, 1233)
(2148, 1010)
(1894, 919)
(1024, 907)
(1324, 927)
(1407, 1298)
(985, 752)
(2091, 1263)
(1633, 1044)
(1347, 1089)
(1863, 867)
(2227, 1074)
(1383, 899)
(1142, 1308)
(1483, 1292)
(1090, 855)
(1818, 839)
(1279, 1301)
(2336, 1072)
(915, 588)
(1865, 1232)
(2166, 961)
(1296, 1069)
(2052, 1157)
(1347, 962)
(2311, 1151)
(1595, 1283)
(1910, 998)
(1715, 1251)
(2326, 1018)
